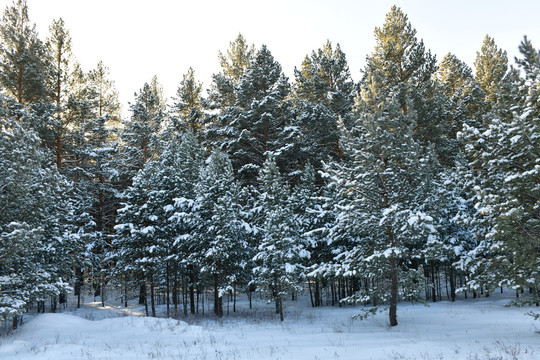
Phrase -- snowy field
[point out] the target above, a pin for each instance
(472, 329)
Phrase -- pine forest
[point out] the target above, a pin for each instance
(419, 182)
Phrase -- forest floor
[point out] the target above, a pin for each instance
(478, 329)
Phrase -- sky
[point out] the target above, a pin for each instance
(139, 39)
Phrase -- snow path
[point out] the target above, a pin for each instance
(471, 329)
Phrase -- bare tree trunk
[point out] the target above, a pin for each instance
(393, 292)
(279, 302)
(191, 289)
(168, 289)
(218, 300)
(175, 291)
(78, 285)
(152, 300)
(311, 294)
(433, 283)
(184, 294)
(452, 284)
(142, 293)
(125, 292)
(234, 298)
(59, 151)
(317, 293)
(145, 298)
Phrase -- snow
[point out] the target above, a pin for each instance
(467, 329)
(148, 229)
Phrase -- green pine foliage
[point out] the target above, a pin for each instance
(187, 110)
(141, 135)
(368, 194)
(259, 124)
(221, 234)
(505, 153)
(278, 262)
(34, 257)
(23, 55)
(491, 66)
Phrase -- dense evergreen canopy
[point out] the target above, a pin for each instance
(362, 193)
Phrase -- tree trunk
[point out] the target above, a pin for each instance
(279, 300)
(145, 300)
(102, 291)
(433, 284)
(142, 294)
(317, 293)
(20, 85)
(311, 294)
(152, 300)
(393, 292)
(125, 292)
(59, 150)
(191, 289)
(218, 300)
(168, 289)
(234, 298)
(175, 291)
(452, 284)
(184, 294)
(78, 285)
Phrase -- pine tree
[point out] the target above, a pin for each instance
(401, 67)
(154, 228)
(141, 134)
(491, 67)
(23, 58)
(103, 94)
(220, 234)
(136, 242)
(465, 96)
(505, 152)
(310, 220)
(259, 123)
(98, 150)
(187, 108)
(184, 159)
(381, 191)
(324, 78)
(234, 64)
(325, 93)
(35, 258)
(279, 255)
(451, 203)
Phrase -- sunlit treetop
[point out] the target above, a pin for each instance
(237, 58)
(398, 55)
(491, 66)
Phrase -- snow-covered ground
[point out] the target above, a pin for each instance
(471, 329)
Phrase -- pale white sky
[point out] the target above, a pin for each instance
(137, 39)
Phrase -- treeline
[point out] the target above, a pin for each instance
(374, 192)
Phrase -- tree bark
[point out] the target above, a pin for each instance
(393, 292)
(433, 283)
(142, 294)
(191, 289)
(218, 300)
(152, 300)
(59, 151)
(168, 290)
(452, 284)
(311, 294)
